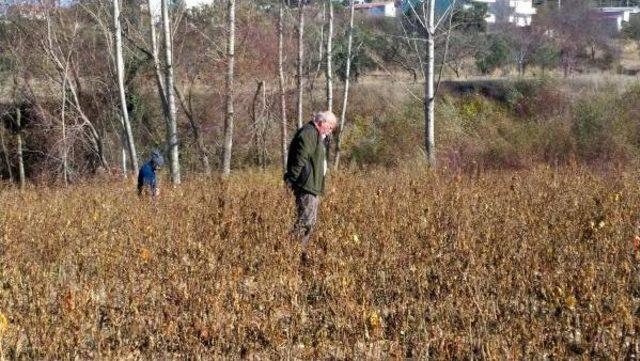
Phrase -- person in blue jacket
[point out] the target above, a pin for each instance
(147, 174)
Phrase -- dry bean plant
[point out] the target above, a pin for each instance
(405, 263)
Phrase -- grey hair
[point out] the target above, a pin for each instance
(322, 117)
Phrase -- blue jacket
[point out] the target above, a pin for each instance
(147, 176)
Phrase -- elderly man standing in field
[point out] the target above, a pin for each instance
(306, 170)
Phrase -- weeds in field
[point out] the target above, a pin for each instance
(505, 265)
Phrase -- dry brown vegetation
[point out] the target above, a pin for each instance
(539, 264)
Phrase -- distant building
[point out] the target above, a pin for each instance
(387, 8)
(408, 6)
(156, 8)
(516, 12)
(613, 18)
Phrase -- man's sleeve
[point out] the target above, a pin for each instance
(298, 156)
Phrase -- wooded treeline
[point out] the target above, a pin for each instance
(93, 87)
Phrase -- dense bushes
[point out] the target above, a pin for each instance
(506, 124)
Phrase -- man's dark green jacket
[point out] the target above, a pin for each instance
(306, 161)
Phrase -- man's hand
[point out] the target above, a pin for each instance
(287, 186)
(288, 183)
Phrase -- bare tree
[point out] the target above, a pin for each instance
(68, 73)
(259, 118)
(464, 46)
(574, 29)
(113, 42)
(21, 174)
(345, 95)
(5, 152)
(313, 76)
(429, 91)
(228, 119)
(300, 60)
(34, 49)
(63, 121)
(283, 105)
(187, 107)
(16, 119)
(172, 124)
(329, 64)
(426, 21)
(128, 134)
(162, 94)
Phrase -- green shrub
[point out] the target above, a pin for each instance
(495, 57)
(601, 129)
(388, 138)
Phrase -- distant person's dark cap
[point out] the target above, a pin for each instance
(157, 159)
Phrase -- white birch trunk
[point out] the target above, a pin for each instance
(5, 152)
(263, 125)
(300, 61)
(283, 105)
(228, 119)
(329, 65)
(172, 126)
(319, 66)
(345, 96)
(21, 175)
(94, 138)
(156, 62)
(123, 158)
(130, 144)
(63, 120)
(429, 91)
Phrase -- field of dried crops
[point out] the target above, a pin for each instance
(537, 264)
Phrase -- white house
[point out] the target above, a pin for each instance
(522, 12)
(189, 4)
(615, 17)
(516, 12)
(387, 8)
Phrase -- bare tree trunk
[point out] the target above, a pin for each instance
(429, 91)
(283, 105)
(21, 175)
(345, 96)
(156, 63)
(5, 152)
(413, 43)
(263, 125)
(187, 107)
(320, 57)
(74, 87)
(95, 138)
(300, 60)
(123, 155)
(259, 123)
(63, 120)
(256, 124)
(329, 70)
(172, 124)
(123, 100)
(228, 119)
